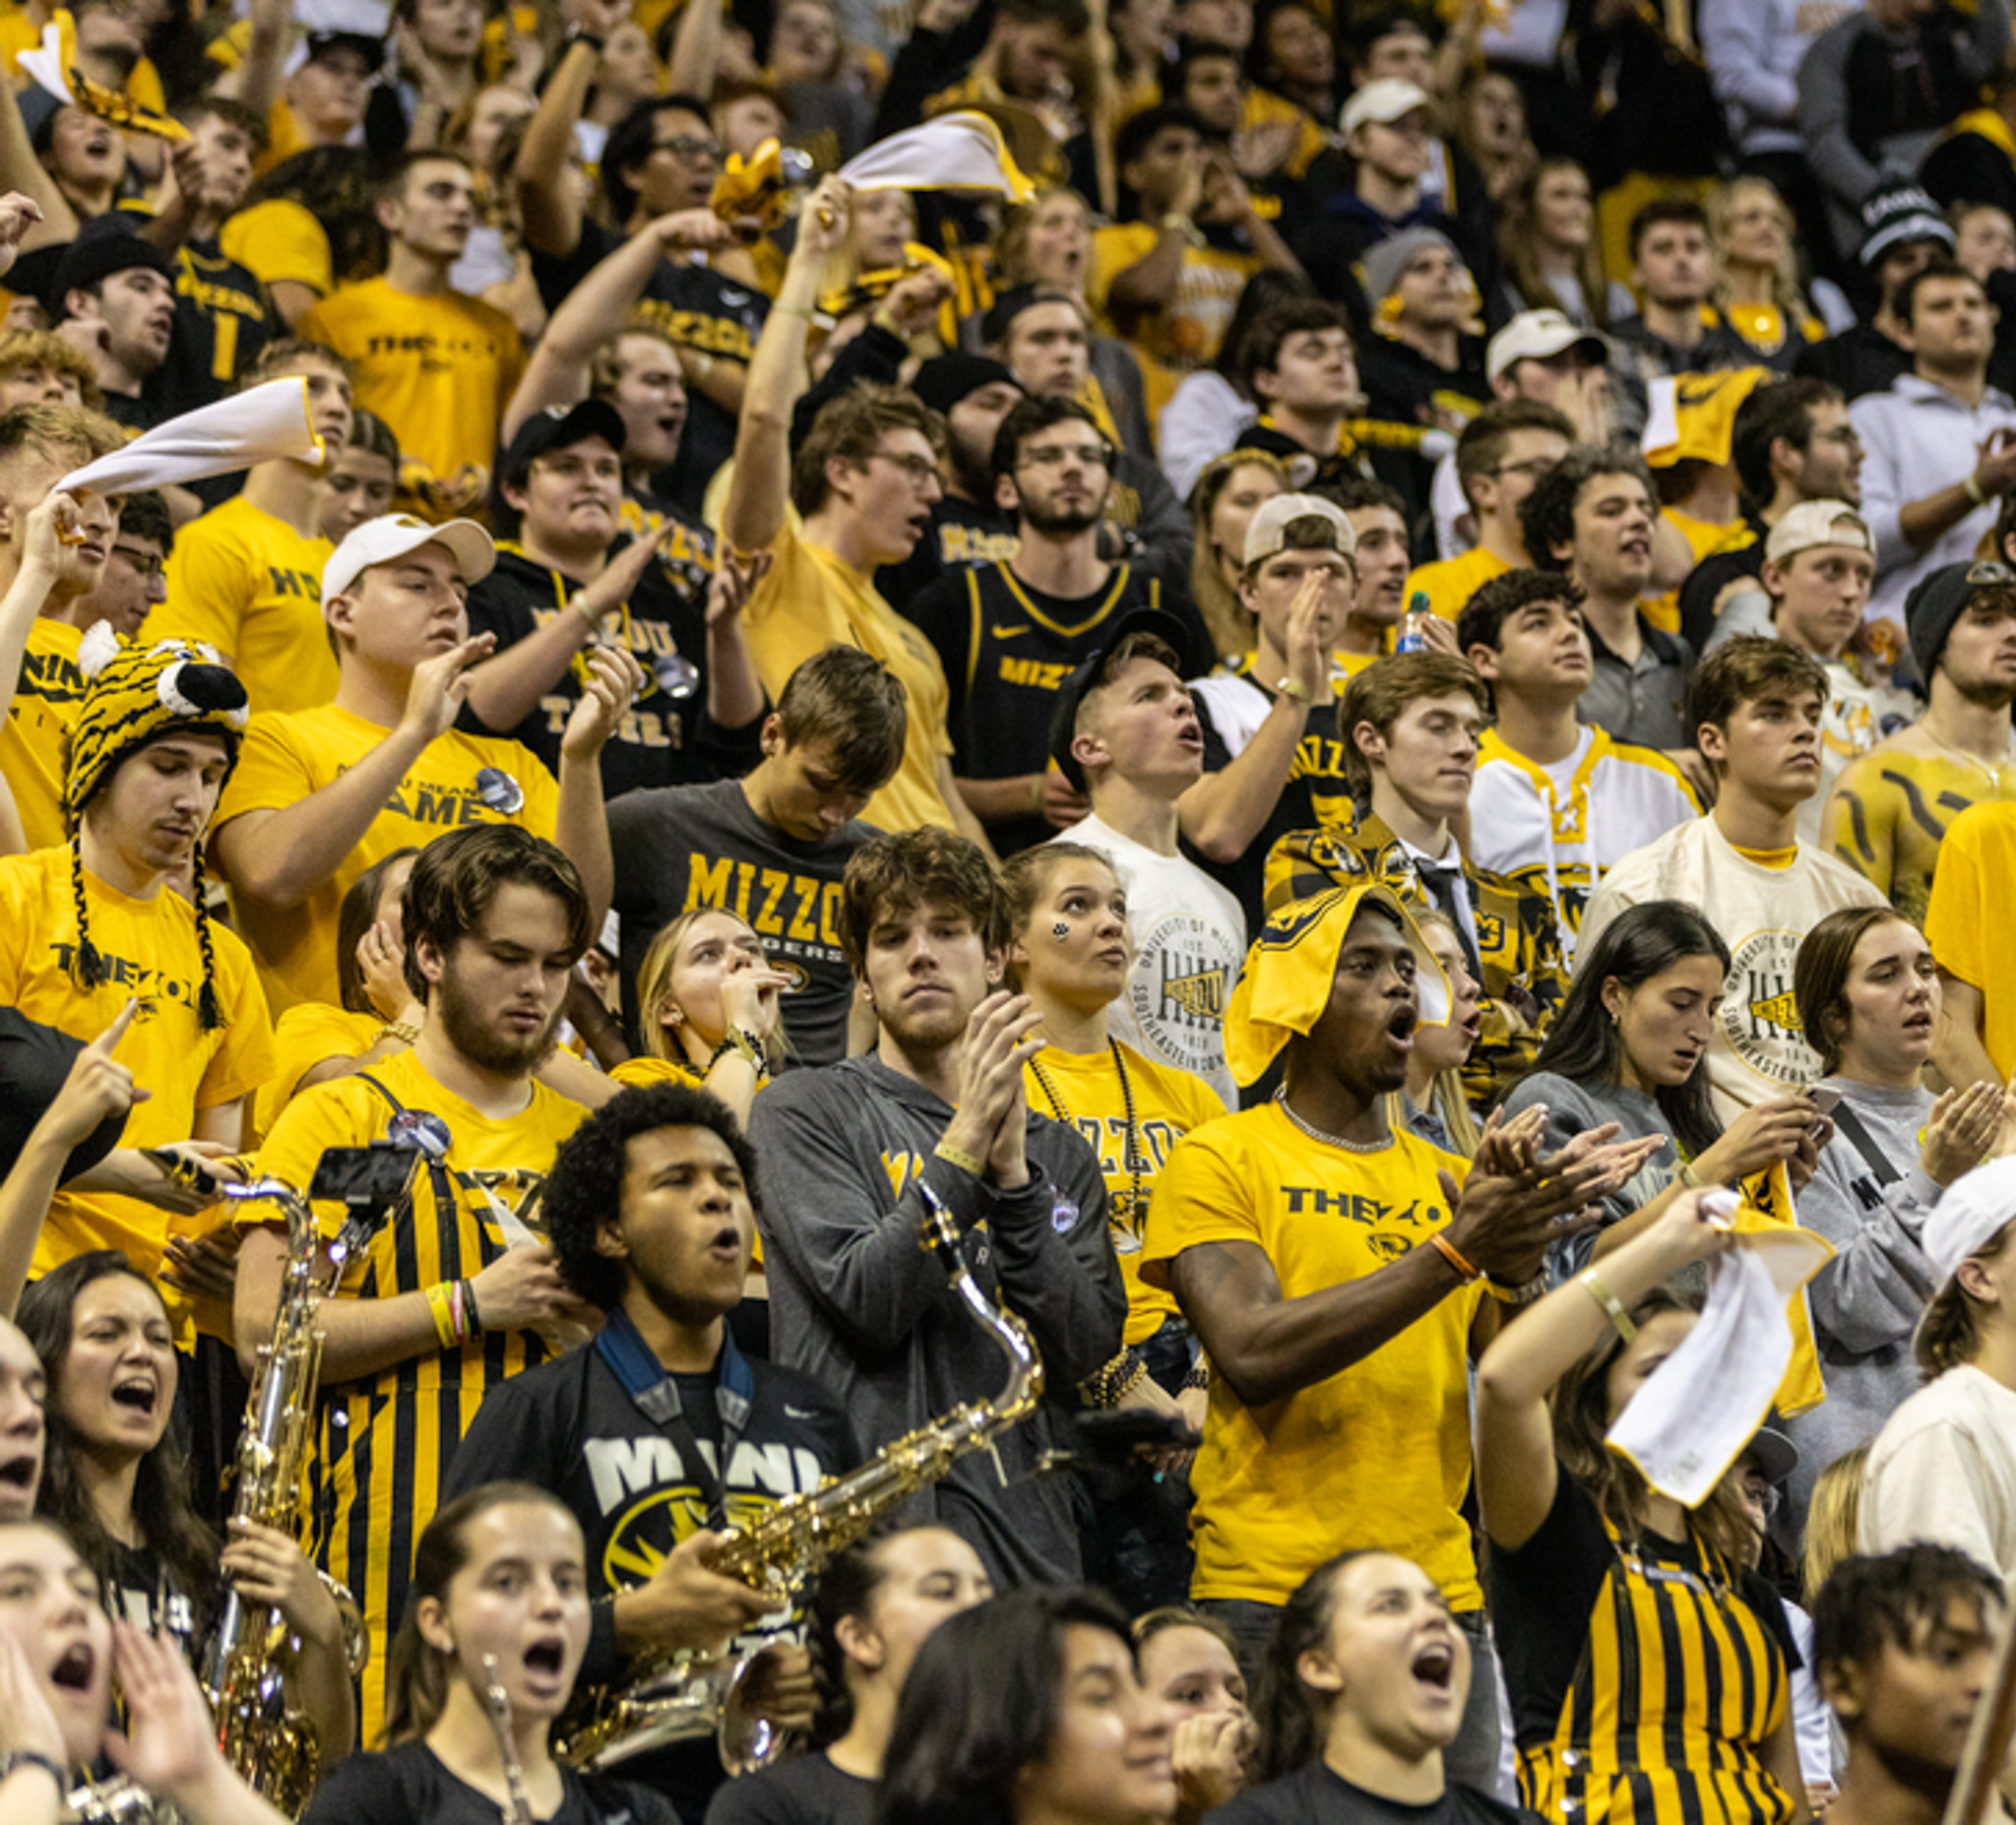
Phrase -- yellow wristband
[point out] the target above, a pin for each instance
(1609, 1304)
(443, 1311)
(965, 1162)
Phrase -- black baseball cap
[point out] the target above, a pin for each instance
(554, 428)
(104, 246)
(1082, 680)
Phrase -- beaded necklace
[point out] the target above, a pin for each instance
(1135, 1163)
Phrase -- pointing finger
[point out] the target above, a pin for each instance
(101, 1047)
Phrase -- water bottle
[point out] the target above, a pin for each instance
(1411, 638)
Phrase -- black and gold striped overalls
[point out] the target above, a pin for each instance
(1678, 1686)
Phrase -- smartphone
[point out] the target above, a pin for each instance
(1823, 1101)
(363, 1176)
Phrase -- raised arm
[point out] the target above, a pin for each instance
(256, 83)
(281, 856)
(582, 824)
(755, 510)
(22, 170)
(550, 204)
(1515, 1447)
(695, 58)
(598, 307)
(1268, 1346)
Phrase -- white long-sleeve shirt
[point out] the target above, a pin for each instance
(1202, 419)
(1917, 439)
(1752, 49)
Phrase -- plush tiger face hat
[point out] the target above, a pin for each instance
(134, 695)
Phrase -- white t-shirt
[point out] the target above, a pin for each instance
(1943, 1470)
(1759, 1048)
(1189, 943)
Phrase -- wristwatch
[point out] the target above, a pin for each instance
(12, 1760)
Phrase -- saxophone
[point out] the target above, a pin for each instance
(271, 1745)
(693, 1695)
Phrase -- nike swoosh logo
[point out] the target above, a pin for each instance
(734, 300)
(798, 1412)
(1009, 633)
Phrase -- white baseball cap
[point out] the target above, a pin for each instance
(393, 534)
(1266, 530)
(1539, 335)
(1818, 523)
(1976, 1208)
(1384, 101)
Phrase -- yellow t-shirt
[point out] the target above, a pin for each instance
(1084, 1089)
(1186, 331)
(1450, 584)
(385, 1439)
(36, 735)
(812, 599)
(252, 586)
(281, 241)
(1377, 1454)
(152, 952)
(289, 756)
(1890, 810)
(18, 32)
(438, 370)
(308, 1033)
(1702, 537)
(1977, 874)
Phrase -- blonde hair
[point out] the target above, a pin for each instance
(1446, 1099)
(654, 988)
(1786, 292)
(1833, 1519)
(1229, 620)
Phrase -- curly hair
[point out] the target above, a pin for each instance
(585, 1189)
(1546, 517)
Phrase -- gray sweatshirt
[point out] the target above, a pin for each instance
(856, 1302)
(1865, 1302)
(1574, 1108)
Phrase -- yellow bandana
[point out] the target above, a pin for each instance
(1285, 987)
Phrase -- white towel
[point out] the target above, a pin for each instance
(1697, 1410)
(254, 426)
(960, 150)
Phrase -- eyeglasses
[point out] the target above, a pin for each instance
(1055, 456)
(917, 469)
(143, 562)
(687, 147)
(1532, 467)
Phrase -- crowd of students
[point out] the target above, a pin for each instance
(1352, 706)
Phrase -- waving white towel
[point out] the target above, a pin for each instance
(960, 150)
(1702, 1404)
(254, 426)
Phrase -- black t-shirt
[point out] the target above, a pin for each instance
(809, 1790)
(664, 740)
(412, 1784)
(692, 845)
(571, 1427)
(1542, 1594)
(1317, 795)
(1007, 650)
(1318, 1795)
(961, 533)
(223, 318)
(1859, 360)
(698, 309)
